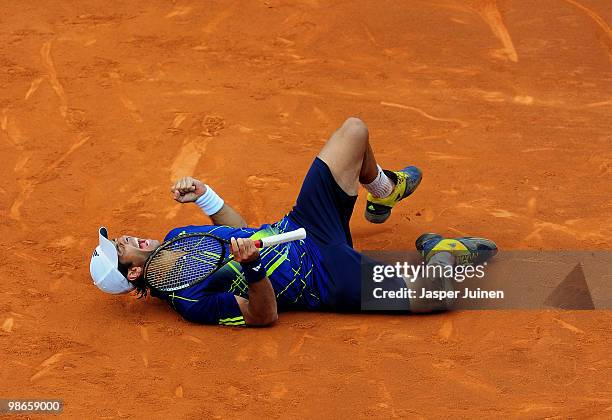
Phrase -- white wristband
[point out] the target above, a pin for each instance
(210, 202)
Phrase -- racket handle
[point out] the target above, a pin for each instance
(281, 238)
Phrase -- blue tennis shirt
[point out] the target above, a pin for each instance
(294, 269)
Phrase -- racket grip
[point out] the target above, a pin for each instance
(281, 238)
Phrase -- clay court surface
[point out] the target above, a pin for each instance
(506, 106)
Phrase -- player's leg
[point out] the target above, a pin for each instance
(326, 200)
(343, 292)
(350, 158)
(325, 203)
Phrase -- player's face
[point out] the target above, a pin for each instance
(134, 251)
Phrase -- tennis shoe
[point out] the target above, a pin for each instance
(406, 181)
(467, 250)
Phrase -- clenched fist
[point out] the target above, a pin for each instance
(244, 250)
(187, 189)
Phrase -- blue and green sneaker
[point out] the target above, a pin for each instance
(467, 250)
(406, 181)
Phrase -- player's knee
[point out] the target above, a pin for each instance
(355, 129)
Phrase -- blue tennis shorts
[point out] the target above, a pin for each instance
(325, 210)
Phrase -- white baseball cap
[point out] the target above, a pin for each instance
(103, 267)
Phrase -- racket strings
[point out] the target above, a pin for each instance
(184, 261)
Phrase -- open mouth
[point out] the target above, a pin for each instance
(143, 243)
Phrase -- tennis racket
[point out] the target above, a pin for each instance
(189, 259)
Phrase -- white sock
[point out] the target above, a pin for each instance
(382, 186)
(442, 258)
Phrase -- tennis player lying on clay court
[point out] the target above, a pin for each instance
(320, 272)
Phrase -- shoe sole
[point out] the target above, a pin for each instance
(377, 218)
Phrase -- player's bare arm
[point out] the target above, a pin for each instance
(260, 308)
(188, 190)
